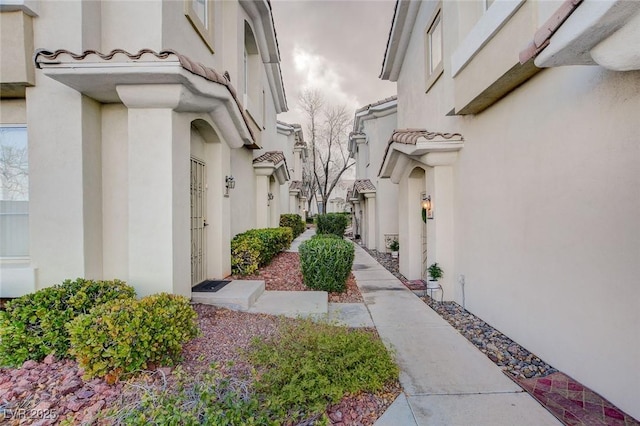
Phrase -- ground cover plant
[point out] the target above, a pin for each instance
(33, 326)
(326, 262)
(299, 373)
(310, 365)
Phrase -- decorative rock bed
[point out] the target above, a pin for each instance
(500, 349)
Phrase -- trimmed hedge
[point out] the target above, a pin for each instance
(33, 326)
(257, 247)
(326, 263)
(332, 223)
(293, 221)
(126, 335)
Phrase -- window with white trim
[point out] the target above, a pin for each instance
(433, 49)
(200, 14)
(14, 191)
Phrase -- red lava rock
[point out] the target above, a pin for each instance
(29, 364)
(69, 387)
(23, 383)
(75, 405)
(42, 406)
(85, 394)
(336, 416)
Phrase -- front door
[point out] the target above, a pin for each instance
(198, 222)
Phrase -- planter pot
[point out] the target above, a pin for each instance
(394, 254)
(432, 284)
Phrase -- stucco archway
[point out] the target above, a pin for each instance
(207, 147)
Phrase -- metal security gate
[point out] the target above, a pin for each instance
(198, 222)
(424, 242)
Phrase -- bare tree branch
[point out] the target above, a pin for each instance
(328, 126)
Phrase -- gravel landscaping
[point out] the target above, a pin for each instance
(53, 391)
(283, 273)
(500, 349)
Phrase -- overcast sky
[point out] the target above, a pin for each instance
(336, 46)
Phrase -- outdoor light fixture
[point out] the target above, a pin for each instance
(269, 198)
(229, 183)
(428, 205)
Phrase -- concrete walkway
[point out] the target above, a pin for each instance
(446, 380)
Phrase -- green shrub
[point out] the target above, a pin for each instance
(245, 254)
(33, 326)
(332, 223)
(327, 236)
(206, 399)
(308, 365)
(126, 335)
(326, 263)
(310, 219)
(257, 247)
(293, 221)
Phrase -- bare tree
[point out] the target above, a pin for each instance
(311, 102)
(14, 173)
(328, 127)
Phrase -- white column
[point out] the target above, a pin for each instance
(159, 237)
(274, 205)
(440, 245)
(371, 220)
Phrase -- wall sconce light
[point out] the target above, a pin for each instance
(229, 183)
(269, 198)
(428, 206)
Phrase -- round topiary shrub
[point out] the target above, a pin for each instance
(33, 326)
(326, 263)
(128, 335)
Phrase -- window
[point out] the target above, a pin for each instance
(252, 82)
(200, 14)
(14, 191)
(433, 47)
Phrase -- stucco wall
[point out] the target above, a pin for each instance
(546, 198)
(547, 231)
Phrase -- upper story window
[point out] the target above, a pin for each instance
(433, 47)
(200, 14)
(14, 191)
(252, 83)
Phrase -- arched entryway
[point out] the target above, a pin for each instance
(210, 234)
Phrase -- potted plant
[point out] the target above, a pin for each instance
(435, 273)
(394, 246)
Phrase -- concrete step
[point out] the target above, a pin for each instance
(238, 295)
(292, 303)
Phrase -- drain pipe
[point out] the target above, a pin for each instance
(461, 280)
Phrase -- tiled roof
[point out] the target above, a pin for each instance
(411, 136)
(295, 185)
(274, 157)
(363, 185)
(196, 68)
(380, 102)
(542, 37)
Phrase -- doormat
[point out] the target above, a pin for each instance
(209, 286)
